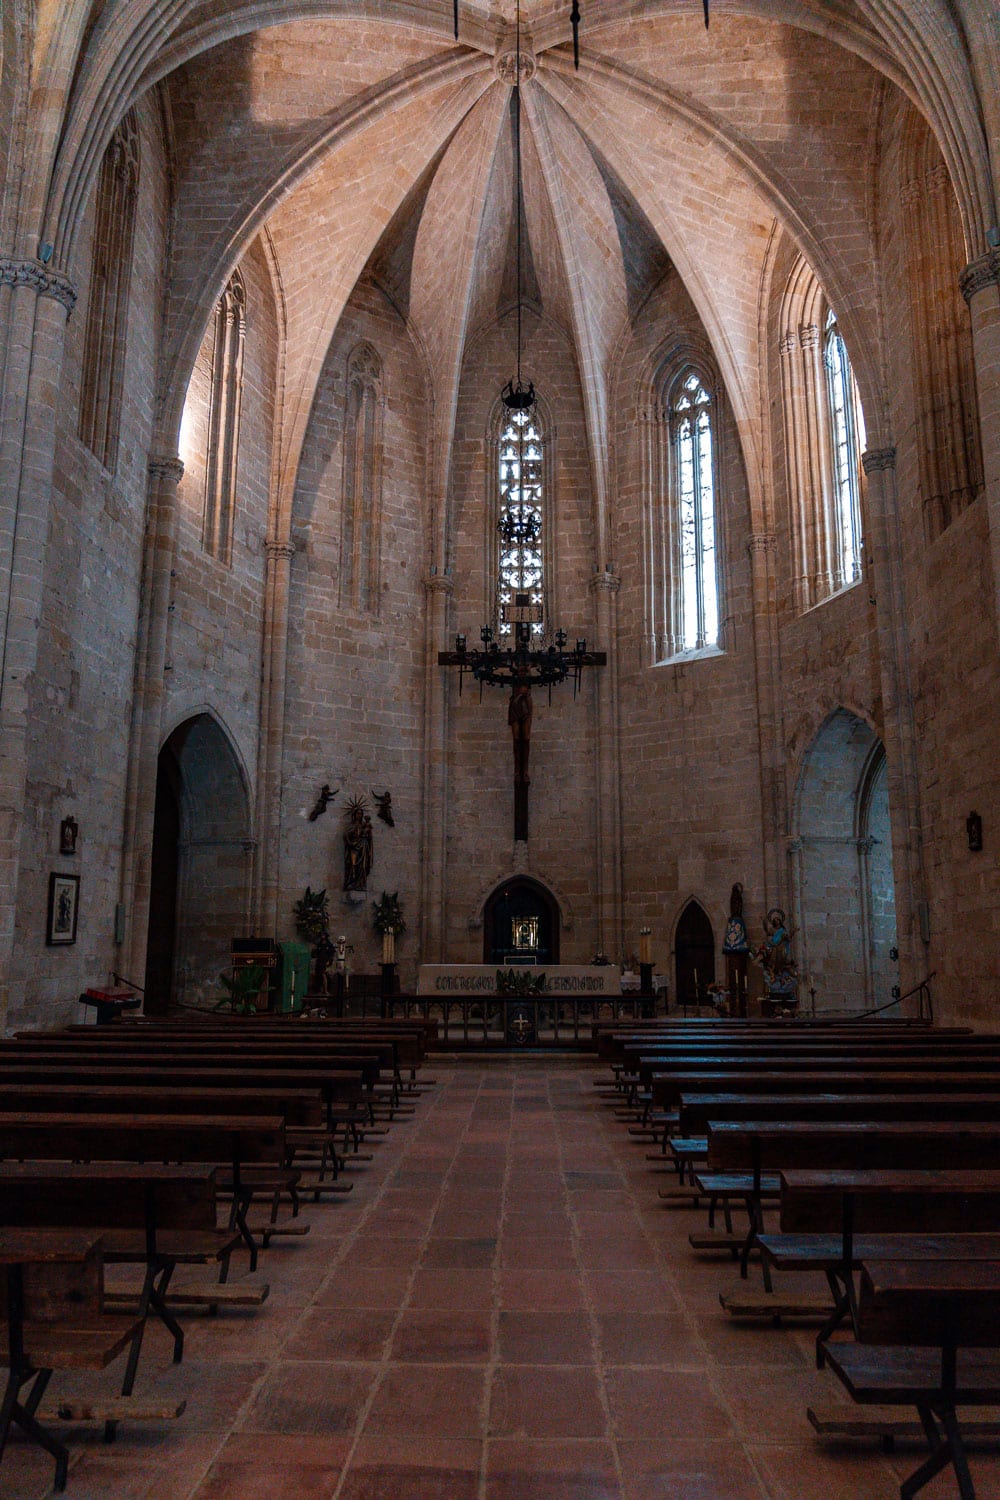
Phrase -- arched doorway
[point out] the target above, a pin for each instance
(521, 924)
(694, 954)
(200, 865)
(843, 868)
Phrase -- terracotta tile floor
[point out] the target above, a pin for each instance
(502, 1310)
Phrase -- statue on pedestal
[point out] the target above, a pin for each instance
(357, 846)
(736, 949)
(781, 974)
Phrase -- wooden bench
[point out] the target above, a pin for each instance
(744, 1157)
(928, 1334)
(843, 1204)
(54, 1319)
(251, 1151)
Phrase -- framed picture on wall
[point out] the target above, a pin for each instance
(64, 900)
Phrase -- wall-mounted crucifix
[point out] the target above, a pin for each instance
(519, 668)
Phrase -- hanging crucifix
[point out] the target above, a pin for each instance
(519, 668)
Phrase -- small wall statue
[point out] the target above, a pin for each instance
(358, 852)
(781, 973)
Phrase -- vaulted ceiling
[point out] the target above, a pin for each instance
(361, 136)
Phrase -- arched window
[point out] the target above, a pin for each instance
(521, 560)
(361, 516)
(103, 370)
(847, 443)
(696, 589)
(824, 440)
(224, 421)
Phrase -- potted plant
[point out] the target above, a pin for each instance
(312, 923)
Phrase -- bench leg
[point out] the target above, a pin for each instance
(940, 1456)
(958, 1458)
(12, 1410)
(841, 1308)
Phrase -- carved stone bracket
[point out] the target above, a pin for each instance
(876, 460)
(166, 466)
(980, 274)
(439, 583)
(46, 283)
(277, 551)
(607, 583)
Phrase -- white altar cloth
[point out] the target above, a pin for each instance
(455, 981)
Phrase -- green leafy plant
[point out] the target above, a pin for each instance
(389, 915)
(312, 915)
(242, 989)
(520, 982)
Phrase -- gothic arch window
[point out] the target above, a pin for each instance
(695, 582)
(224, 420)
(361, 514)
(520, 485)
(103, 371)
(824, 440)
(845, 452)
(521, 531)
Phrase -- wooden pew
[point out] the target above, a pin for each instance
(251, 1150)
(149, 1215)
(744, 1157)
(928, 1334)
(824, 1212)
(54, 1319)
(697, 1109)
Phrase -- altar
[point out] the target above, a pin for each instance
(586, 981)
(472, 1007)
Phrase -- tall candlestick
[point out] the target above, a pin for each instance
(388, 947)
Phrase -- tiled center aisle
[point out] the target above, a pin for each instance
(501, 1311)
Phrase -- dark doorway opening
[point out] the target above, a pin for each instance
(162, 935)
(694, 951)
(521, 924)
(200, 865)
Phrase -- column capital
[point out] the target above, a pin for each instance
(876, 460)
(46, 283)
(279, 550)
(762, 541)
(439, 583)
(605, 582)
(980, 274)
(165, 466)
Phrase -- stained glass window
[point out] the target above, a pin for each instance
(521, 560)
(692, 427)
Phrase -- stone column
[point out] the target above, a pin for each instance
(439, 589)
(267, 868)
(762, 548)
(604, 587)
(165, 471)
(980, 283)
(899, 730)
(36, 306)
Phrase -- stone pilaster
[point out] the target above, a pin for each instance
(604, 586)
(980, 284)
(439, 589)
(267, 866)
(899, 732)
(165, 472)
(762, 551)
(34, 306)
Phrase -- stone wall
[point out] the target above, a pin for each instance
(354, 709)
(81, 692)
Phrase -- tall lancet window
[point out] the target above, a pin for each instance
(103, 373)
(847, 441)
(697, 600)
(521, 520)
(224, 421)
(361, 524)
